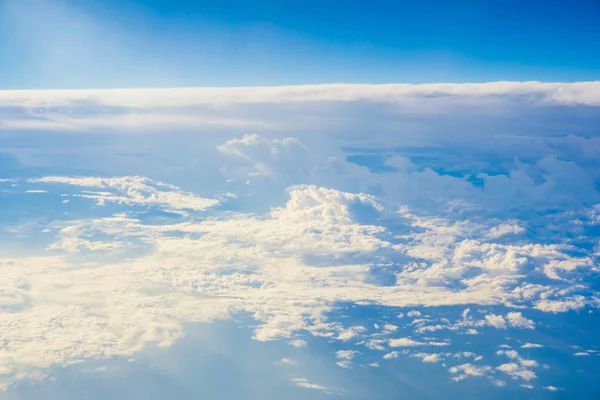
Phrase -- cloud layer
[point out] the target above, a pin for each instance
(469, 239)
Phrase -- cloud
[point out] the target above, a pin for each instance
(581, 93)
(259, 157)
(298, 343)
(375, 344)
(286, 268)
(551, 388)
(531, 346)
(475, 219)
(134, 190)
(518, 369)
(404, 342)
(497, 321)
(345, 354)
(517, 320)
(345, 357)
(556, 306)
(305, 383)
(429, 358)
(515, 371)
(463, 371)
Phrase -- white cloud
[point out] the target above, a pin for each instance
(305, 383)
(350, 333)
(344, 364)
(345, 354)
(258, 157)
(459, 245)
(257, 264)
(135, 190)
(514, 355)
(497, 321)
(514, 370)
(509, 353)
(429, 357)
(298, 343)
(375, 344)
(558, 93)
(551, 388)
(516, 319)
(465, 370)
(528, 363)
(556, 306)
(404, 342)
(508, 228)
(531, 346)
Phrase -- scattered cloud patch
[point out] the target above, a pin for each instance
(497, 321)
(305, 383)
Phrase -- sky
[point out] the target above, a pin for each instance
(160, 43)
(316, 200)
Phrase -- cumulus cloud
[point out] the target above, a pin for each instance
(516, 319)
(556, 306)
(497, 321)
(463, 371)
(315, 225)
(515, 371)
(519, 368)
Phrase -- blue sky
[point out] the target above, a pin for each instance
(83, 44)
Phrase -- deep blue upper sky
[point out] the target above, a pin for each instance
(114, 43)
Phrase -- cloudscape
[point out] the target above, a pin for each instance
(414, 240)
